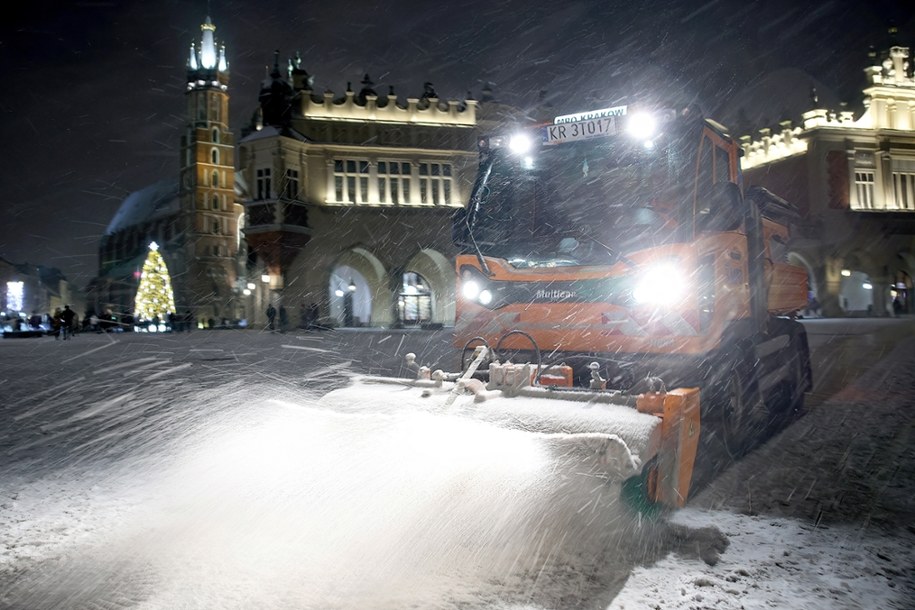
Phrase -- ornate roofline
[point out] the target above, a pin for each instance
(889, 105)
(421, 111)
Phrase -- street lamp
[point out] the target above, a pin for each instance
(352, 286)
(251, 286)
(265, 278)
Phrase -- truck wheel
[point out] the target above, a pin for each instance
(800, 381)
(789, 399)
(737, 406)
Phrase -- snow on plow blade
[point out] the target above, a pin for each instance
(606, 433)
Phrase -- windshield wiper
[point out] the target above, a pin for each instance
(474, 207)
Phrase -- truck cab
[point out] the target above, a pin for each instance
(624, 237)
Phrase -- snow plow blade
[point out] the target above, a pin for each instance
(610, 434)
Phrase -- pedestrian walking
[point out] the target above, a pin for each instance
(313, 314)
(284, 319)
(271, 317)
(67, 317)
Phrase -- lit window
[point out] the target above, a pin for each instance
(363, 181)
(351, 181)
(394, 182)
(414, 303)
(864, 187)
(904, 183)
(15, 292)
(435, 183)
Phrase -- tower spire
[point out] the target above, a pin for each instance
(208, 45)
(207, 64)
(192, 58)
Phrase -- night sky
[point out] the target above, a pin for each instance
(92, 96)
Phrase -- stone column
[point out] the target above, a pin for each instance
(831, 283)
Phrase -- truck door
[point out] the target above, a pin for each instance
(716, 165)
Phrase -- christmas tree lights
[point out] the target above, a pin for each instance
(154, 295)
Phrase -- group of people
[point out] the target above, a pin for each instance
(271, 318)
(278, 319)
(64, 323)
(181, 322)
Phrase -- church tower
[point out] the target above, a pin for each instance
(209, 213)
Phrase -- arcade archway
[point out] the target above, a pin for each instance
(427, 290)
(358, 290)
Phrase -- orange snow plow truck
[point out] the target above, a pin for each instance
(617, 286)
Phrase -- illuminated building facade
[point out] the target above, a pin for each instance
(853, 179)
(350, 199)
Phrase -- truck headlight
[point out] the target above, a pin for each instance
(520, 143)
(661, 284)
(477, 288)
(470, 289)
(642, 126)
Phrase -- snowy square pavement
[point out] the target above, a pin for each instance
(164, 472)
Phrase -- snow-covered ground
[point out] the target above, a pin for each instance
(822, 516)
(773, 562)
(198, 471)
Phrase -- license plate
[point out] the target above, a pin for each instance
(580, 130)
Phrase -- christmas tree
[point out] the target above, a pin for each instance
(154, 295)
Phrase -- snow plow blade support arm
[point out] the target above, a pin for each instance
(670, 477)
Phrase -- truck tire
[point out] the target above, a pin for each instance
(788, 400)
(736, 405)
(800, 376)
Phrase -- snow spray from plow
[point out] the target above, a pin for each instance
(384, 494)
(651, 437)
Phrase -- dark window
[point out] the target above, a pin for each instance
(722, 165)
(263, 183)
(260, 215)
(704, 175)
(296, 215)
(291, 186)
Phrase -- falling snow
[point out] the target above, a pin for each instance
(202, 470)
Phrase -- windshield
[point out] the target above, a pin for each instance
(584, 202)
